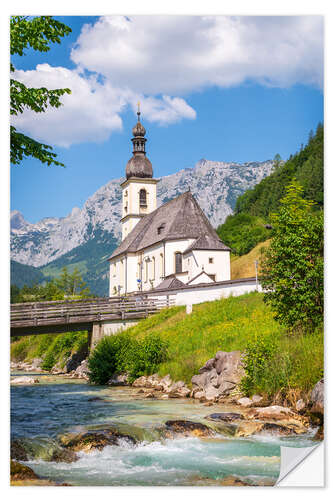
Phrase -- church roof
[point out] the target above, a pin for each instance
(170, 282)
(179, 218)
(206, 242)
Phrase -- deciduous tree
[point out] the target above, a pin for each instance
(36, 33)
(292, 267)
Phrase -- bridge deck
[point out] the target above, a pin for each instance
(31, 318)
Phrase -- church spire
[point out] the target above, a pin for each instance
(139, 165)
(139, 132)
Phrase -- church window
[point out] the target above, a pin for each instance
(143, 198)
(125, 194)
(160, 228)
(211, 260)
(146, 270)
(161, 266)
(178, 262)
(153, 276)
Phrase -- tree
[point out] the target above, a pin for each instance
(72, 284)
(37, 33)
(292, 267)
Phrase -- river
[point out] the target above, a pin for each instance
(40, 412)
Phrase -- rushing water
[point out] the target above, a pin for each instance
(39, 413)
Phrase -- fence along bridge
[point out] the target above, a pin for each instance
(61, 316)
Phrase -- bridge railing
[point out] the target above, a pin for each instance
(88, 310)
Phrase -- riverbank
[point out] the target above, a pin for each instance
(157, 441)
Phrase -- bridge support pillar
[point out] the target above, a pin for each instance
(95, 335)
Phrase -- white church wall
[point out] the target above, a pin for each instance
(171, 247)
(213, 262)
(196, 295)
(202, 278)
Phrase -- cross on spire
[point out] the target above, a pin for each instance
(138, 112)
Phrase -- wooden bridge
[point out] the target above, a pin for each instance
(60, 316)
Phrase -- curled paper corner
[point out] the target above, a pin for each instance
(302, 466)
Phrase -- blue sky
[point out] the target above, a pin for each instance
(223, 88)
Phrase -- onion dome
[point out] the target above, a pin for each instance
(139, 130)
(139, 165)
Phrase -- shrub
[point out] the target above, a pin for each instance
(123, 353)
(258, 355)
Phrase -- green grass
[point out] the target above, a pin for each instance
(227, 325)
(52, 348)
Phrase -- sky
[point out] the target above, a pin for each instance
(224, 88)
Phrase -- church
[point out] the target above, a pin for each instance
(167, 247)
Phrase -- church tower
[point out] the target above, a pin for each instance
(139, 189)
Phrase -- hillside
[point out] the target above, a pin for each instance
(243, 230)
(22, 274)
(244, 266)
(227, 324)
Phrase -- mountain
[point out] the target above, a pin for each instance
(21, 274)
(87, 236)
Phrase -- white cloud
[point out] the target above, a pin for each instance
(158, 59)
(178, 54)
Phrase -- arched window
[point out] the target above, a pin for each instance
(154, 270)
(143, 198)
(161, 266)
(178, 262)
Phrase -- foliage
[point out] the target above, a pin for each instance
(242, 232)
(61, 347)
(52, 348)
(68, 285)
(123, 353)
(292, 266)
(307, 166)
(72, 283)
(22, 274)
(258, 353)
(36, 33)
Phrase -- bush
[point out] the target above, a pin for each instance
(123, 353)
(258, 355)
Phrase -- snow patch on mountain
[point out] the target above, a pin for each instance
(216, 186)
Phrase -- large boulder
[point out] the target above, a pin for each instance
(94, 439)
(20, 472)
(187, 428)
(317, 398)
(82, 371)
(76, 359)
(219, 376)
(119, 379)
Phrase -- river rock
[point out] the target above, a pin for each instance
(317, 399)
(17, 451)
(245, 402)
(178, 390)
(140, 382)
(188, 428)
(19, 471)
(76, 359)
(300, 405)
(24, 381)
(82, 371)
(256, 398)
(273, 412)
(225, 416)
(93, 440)
(118, 379)
(219, 376)
(62, 455)
(165, 383)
